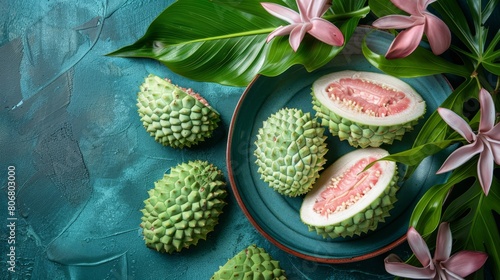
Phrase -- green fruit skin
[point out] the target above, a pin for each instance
(365, 220)
(358, 134)
(290, 149)
(172, 116)
(250, 263)
(183, 207)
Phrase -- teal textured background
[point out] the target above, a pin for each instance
(84, 162)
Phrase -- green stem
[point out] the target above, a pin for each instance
(234, 35)
(482, 81)
(359, 13)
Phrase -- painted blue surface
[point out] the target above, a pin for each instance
(83, 162)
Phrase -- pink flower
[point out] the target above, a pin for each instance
(419, 22)
(442, 266)
(308, 20)
(486, 142)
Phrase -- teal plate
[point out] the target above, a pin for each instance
(275, 216)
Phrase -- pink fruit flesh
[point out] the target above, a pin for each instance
(349, 187)
(368, 97)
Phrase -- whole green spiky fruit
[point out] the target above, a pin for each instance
(366, 109)
(290, 150)
(175, 116)
(348, 200)
(183, 207)
(251, 263)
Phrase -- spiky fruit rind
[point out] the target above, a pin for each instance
(373, 211)
(290, 149)
(251, 263)
(175, 116)
(183, 207)
(366, 131)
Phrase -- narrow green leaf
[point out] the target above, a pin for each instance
(474, 225)
(492, 67)
(492, 52)
(451, 13)
(384, 8)
(290, 3)
(426, 215)
(414, 156)
(412, 66)
(488, 10)
(225, 41)
(435, 129)
(347, 6)
(491, 60)
(475, 11)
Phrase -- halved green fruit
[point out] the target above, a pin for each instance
(346, 200)
(365, 108)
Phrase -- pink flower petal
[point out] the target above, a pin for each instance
(461, 156)
(494, 133)
(406, 42)
(410, 7)
(397, 22)
(419, 247)
(298, 34)
(422, 4)
(485, 169)
(457, 123)
(495, 150)
(282, 30)
(493, 138)
(448, 275)
(438, 33)
(282, 12)
(304, 7)
(318, 8)
(443, 243)
(326, 32)
(464, 263)
(494, 146)
(487, 111)
(395, 266)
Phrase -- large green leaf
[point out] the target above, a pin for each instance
(472, 215)
(426, 215)
(225, 41)
(474, 225)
